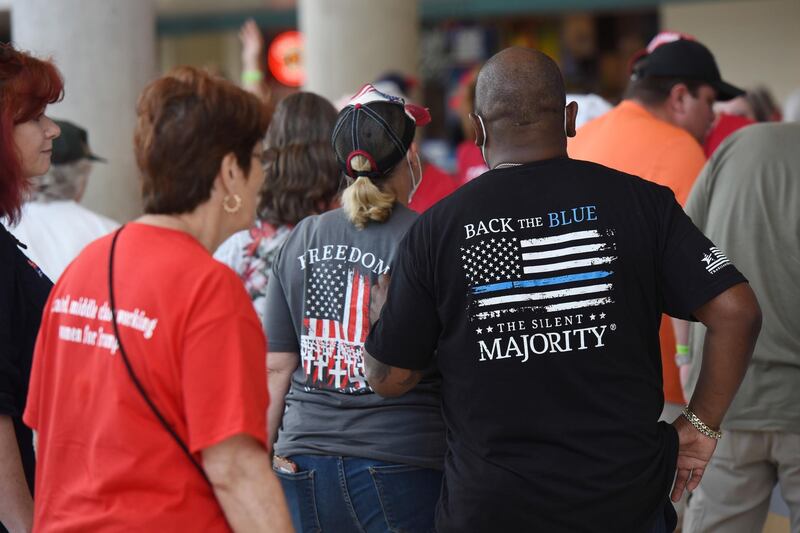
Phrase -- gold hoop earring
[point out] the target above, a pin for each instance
(237, 203)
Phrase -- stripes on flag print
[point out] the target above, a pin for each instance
(715, 260)
(536, 296)
(335, 326)
(553, 273)
(540, 282)
(558, 239)
(533, 256)
(578, 304)
(578, 263)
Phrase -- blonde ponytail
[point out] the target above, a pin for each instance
(362, 200)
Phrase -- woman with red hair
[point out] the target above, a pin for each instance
(27, 85)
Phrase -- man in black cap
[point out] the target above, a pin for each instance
(667, 106)
(537, 290)
(54, 225)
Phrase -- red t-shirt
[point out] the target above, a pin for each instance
(189, 329)
(469, 162)
(724, 126)
(436, 184)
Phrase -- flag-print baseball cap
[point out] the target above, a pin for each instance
(379, 127)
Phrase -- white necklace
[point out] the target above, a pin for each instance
(506, 165)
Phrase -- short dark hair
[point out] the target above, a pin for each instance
(302, 176)
(519, 87)
(654, 90)
(187, 122)
(27, 85)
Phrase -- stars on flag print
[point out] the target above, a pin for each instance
(555, 273)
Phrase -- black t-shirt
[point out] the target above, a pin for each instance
(23, 293)
(540, 288)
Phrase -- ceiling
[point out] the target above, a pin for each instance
(189, 16)
(215, 6)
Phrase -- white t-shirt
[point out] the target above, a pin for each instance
(56, 232)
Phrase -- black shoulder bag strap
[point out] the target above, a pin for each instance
(132, 374)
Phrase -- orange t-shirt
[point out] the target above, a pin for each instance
(629, 138)
(189, 329)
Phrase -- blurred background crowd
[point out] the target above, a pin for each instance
(429, 50)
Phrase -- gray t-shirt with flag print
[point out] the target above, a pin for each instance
(318, 307)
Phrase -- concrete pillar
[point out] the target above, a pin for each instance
(106, 51)
(351, 42)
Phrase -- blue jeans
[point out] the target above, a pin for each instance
(350, 494)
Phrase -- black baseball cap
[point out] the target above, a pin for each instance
(72, 145)
(378, 126)
(686, 59)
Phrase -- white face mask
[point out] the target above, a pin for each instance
(415, 183)
(483, 144)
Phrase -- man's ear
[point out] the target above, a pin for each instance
(479, 133)
(676, 101)
(571, 115)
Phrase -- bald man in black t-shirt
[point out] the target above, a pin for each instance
(537, 289)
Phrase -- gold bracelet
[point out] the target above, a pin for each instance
(700, 425)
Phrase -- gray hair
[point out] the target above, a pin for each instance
(62, 182)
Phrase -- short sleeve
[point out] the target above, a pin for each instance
(407, 332)
(693, 270)
(278, 322)
(223, 367)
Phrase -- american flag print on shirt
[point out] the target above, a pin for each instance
(335, 326)
(563, 272)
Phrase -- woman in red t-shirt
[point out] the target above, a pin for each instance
(148, 387)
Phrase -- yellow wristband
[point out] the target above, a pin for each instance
(252, 75)
(682, 349)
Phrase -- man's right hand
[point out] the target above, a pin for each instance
(252, 44)
(732, 320)
(694, 452)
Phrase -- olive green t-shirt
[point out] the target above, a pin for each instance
(747, 201)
